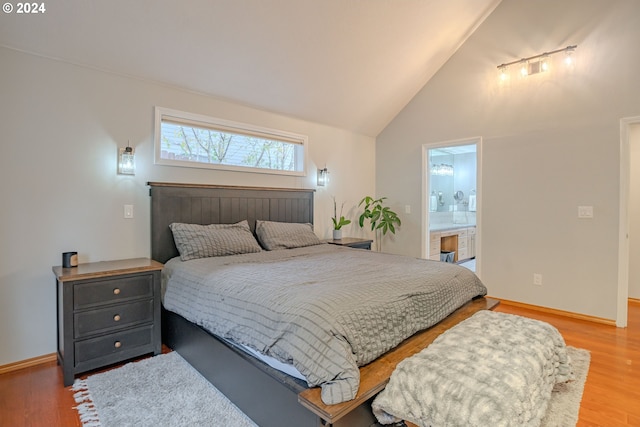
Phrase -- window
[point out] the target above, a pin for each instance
(192, 140)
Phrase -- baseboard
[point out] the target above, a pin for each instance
(548, 310)
(28, 363)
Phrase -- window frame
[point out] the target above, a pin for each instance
(192, 119)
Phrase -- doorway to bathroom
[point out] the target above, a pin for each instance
(451, 202)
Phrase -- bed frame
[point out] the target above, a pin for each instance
(267, 396)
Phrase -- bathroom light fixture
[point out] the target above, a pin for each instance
(537, 63)
(126, 160)
(323, 177)
(442, 169)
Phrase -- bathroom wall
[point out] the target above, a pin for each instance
(463, 179)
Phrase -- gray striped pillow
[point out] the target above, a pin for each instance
(202, 241)
(285, 235)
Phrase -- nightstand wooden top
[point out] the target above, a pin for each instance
(346, 241)
(92, 270)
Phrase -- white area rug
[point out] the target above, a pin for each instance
(166, 391)
(159, 391)
(564, 405)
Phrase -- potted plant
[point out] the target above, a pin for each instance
(381, 218)
(338, 222)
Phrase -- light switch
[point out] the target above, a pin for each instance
(407, 209)
(128, 211)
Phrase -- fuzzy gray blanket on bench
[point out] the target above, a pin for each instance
(493, 369)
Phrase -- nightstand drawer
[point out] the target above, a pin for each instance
(110, 318)
(364, 245)
(110, 346)
(108, 291)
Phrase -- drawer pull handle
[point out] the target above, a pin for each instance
(116, 318)
(116, 291)
(117, 344)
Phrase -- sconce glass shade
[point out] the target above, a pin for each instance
(544, 63)
(323, 177)
(126, 161)
(503, 73)
(524, 69)
(569, 59)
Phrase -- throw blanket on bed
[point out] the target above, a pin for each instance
(325, 309)
(493, 369)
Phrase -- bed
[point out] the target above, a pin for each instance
(267, 395)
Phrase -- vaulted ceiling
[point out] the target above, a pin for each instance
(352, 64)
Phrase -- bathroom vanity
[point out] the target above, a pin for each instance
(459, 239)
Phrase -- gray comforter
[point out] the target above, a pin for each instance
(325, 309)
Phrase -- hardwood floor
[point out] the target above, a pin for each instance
(612, 393)
(36, 397)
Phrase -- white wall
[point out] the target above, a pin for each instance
(634, 212)
(550, 144)
(60, 126)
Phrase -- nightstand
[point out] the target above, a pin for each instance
(352, 243)
(107, 312)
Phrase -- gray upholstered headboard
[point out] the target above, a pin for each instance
(218, 204)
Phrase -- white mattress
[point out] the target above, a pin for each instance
(274, 363)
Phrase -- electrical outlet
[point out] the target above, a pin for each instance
(537, 279)
(407, 209)
(585, 211)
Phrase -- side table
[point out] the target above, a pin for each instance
(107, 312)
(352, 242)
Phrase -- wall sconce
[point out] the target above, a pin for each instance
(323, 177)
(126, 160)
(536, 64)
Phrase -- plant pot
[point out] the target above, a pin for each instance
(337, 234)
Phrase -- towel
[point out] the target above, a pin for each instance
(472, 203)
(433, 203)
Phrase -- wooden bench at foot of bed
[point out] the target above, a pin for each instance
(375, 376)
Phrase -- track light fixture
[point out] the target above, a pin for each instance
(536, 64)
